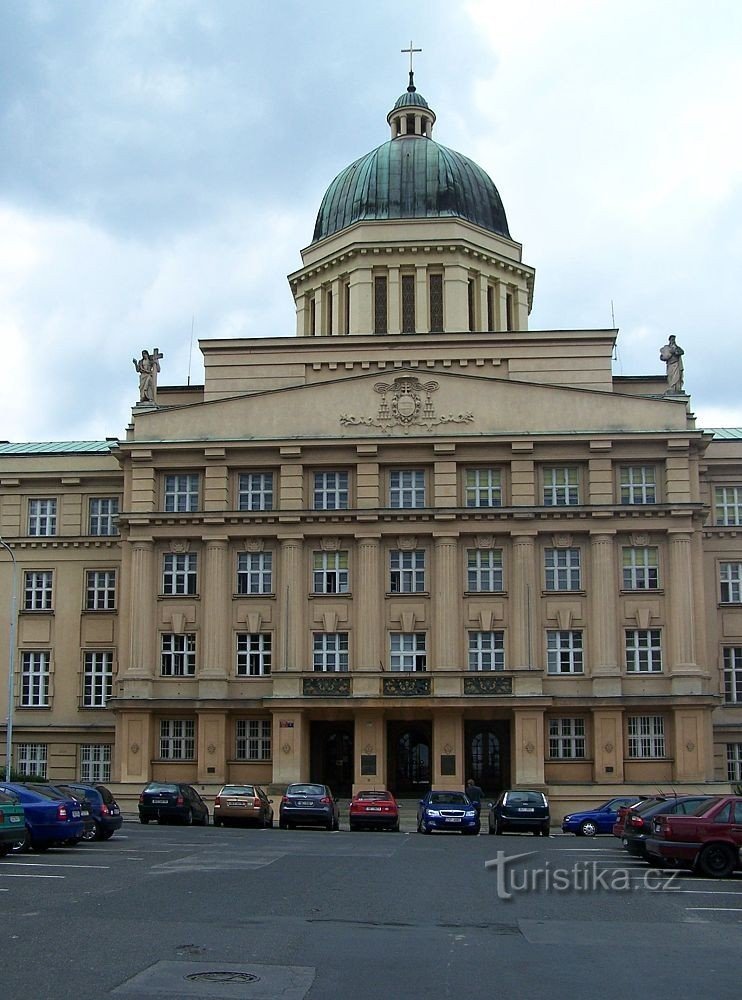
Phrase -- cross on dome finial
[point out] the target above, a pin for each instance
(411, 86)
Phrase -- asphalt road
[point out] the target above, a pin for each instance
(188, 912)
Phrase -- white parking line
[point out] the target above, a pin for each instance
(25, 875)
(45, 864)
(716, 909)
(706, 892)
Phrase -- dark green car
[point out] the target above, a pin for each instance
(12, 823)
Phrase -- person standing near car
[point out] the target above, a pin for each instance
(474, 793)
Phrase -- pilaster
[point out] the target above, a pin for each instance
(528, 749)
(524, 603)
(369, 626)
(446, 604)
(215, 626)
(291, 602)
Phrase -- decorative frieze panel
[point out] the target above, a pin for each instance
(406, 403)
(488, 685)
(406, 687)
(326, 687)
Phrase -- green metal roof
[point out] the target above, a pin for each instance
(54, 447)
(411, 99)
(726, 433)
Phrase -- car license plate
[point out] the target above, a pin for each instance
(373, 809)
(75, 813)
(453, 819)
(159, 802)
(237, 805)
(526, 809)
(14, 819)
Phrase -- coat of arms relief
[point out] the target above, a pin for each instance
(406, 402)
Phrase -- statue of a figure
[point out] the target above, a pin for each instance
(148, 366)
(672, 355)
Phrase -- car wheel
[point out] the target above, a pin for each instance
(716, 860)
(205, 819)
(588, 828)
(144, 820)
(330, 825)
(107, 834)
(352, 827)
(282, 824)
(188, 820)
(545, 831)
(395, 828)
(21, 845)
(336, 825)
(217, 821)
(91, 834)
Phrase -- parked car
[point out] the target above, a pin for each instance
(104, 809)
(308, 804)
(709, 838)
(638, 823)
(12, 822)
(373, 809)
(590, 822)
(521, 810)
(166, 800)
(48, 820)
(447, 811)
(242, 804)
(86, 809)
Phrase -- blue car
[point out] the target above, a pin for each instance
(106, 814)
(597, 820)
(447, 811)
(49, 820)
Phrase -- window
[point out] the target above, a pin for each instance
(177, 739)
(487, 650)
(330, 573)
(255, 491)
(253, 739)
(408, 303)
(564, 651)
(103, 516)
(483, 488)
(727, 505)
(42, 517)
(35, 680)
(406, 488)
(177, 654)
(561, 487)
(254, 572)
(254, 654)
(734, 761)
(37, 590)
(640, 567)
(95, 762)
(643, 650)
(330, 652)
(733, 675)
(435, 285)
(407, 571)
(100, 590)
(562, 568)
(97, 679)
(730, 582)
(484, 570)
(181, 493)
(380, 304)
(31, 759)
(331, 491)
(638, 484)
(408, 651)
(470, 303)
(646, 736)
(567, 738)
(179, 573)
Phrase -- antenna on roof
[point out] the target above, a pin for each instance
(190, 352)
(613, 327)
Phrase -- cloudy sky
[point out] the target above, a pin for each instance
(163, 162)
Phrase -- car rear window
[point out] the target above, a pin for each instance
(373, 795)
(448, 799)
(159, 786)
(525, 799)
(47, 792)
(7, 799)
(237, 790)
(105, 794)
(305, 790)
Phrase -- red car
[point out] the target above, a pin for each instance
(709, 839)
(375, 810)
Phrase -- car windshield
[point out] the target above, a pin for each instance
(373, 796)
(448, 799)
(525, 799)
(237, 790)
(305, 790)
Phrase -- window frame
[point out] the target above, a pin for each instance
(24, 756)
(632, 574)
(184, 739)
(477, 572)
(407, 571)
(95, 770)
(730, 589)
(329, 579)
(643, 650)
(181, 492)
(637, 485)
(331, 489)
(563, 648)
(179, 574)
(732, 674)
(106, 519)
(38, 590)
(725, 504)
(566, 567)
(254, 654)
(262, 739)
(330, 652)
(654, 739)
(260, 575)
(258, 495)
(569, 489)
(416, 655)
(97, 678)
(478, 651)
(567, 737)
(398, 490)
(182, 661)
(42, 517)
(734, 762)
(36, 669)
(95, 592)
(487, 494)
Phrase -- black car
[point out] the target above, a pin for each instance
(521, 810)
(638, 822)
(308, 804)
(166, 800)
(105, 811)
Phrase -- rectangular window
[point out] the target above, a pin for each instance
(177, 739)
(330, 573)
(100, 590)
(103, 516)
(31, 759)
(179, 574)
(37, 590)
(331, 491)
(408, 303)
(561, 486)
(732, 675)
(42, 517)
(330, 652)
(178, 654)
(408, 651)
(564, 651)
(255, 491)
(483, 488)
(406, 488)
(643, 650)
(484, 570)
(97, 679)
(562, 569)
(407, 571)
(730, 582)
(253, 739)
(487, 650)
(646, 736)
(728, 505)
(254, 572)
(181, 493)
(35, 680)
(567, 739)
(95, 762)
(470, 303)
(490, 308)
(435, 284)
(640, 567)
(380, 305)
(734, 762)
(638, 484)
(254, 654)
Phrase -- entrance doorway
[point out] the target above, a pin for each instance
(410, 758)
(331, 755)
(487, 754)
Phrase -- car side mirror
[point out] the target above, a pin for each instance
(421, 802)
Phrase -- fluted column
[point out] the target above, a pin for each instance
(141, 611)
(291, 603)
(215, 627)
(367, 601)
(524, 604)
(681, 610)
(446, 604)
(603, 605)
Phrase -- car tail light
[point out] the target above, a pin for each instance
(256, 803)
(325, 800)
(636, 821)
(284, 798)
(2, 816)
(217, 801)
(141, 797)
(180, 801)
(61, 812)
(104, 810)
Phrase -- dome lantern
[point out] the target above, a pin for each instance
(411, 114)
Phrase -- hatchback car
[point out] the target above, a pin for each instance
(307, 804)
(86, 808)
(49, 819)
(166, 800)
(638, 823)
(374, 810)
(522, 811)
(447, 811)
(589, 822)
(104, 809)
(242, 804)
(12, 822)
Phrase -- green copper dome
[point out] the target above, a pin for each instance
(411, 99)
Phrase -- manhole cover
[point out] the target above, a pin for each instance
(222, 977)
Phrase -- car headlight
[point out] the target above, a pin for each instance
(434, 813)
(471, 814)
(567, 819)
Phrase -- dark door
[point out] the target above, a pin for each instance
(487, 755)
(409, 758)
(331, 755)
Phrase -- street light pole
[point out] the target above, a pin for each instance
(11, 663)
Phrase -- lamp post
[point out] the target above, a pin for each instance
(11, 662)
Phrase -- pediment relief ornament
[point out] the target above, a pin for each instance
(406, 402)
(484, 541)
(640, 539)
(180, 545)
(329, 544)
(254, 544)
(407, 543)
(561, 541)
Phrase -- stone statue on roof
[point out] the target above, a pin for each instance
(672, 355)
(148, 366)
